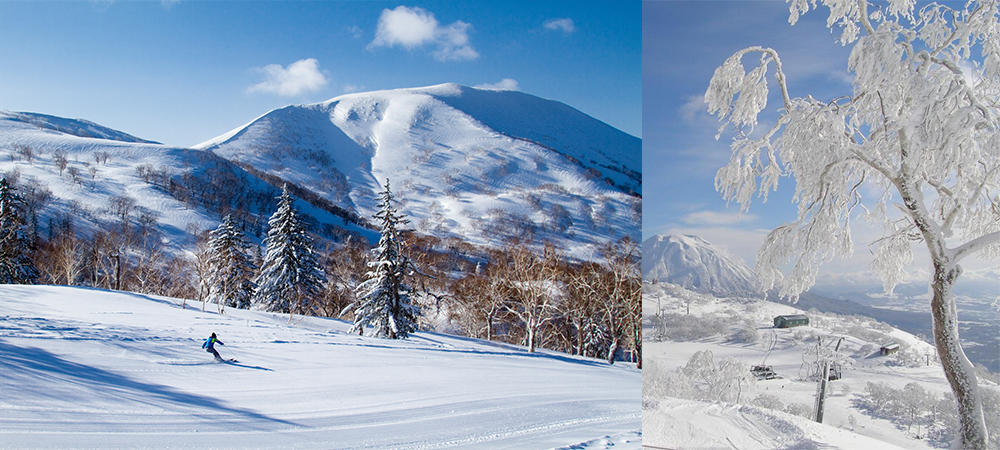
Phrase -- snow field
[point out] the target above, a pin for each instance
(87, 368)
(788, 361)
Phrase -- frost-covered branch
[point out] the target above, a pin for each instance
(921, 126)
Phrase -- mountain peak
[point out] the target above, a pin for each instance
(483, 165)
(695, 264)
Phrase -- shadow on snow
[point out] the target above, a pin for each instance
(40, 373)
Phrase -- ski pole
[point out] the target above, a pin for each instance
(232, 352)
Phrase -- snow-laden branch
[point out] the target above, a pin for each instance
(921, 126)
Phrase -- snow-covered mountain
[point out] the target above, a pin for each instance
(483, 165)
(479, 165)
(90, 368)
(76, 127)
(695, 264)
(175, 190)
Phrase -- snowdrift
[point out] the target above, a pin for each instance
(692, 424)
(88, 368)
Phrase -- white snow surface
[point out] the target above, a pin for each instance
(89, 368)
(690, 424)
(456, 156)
(695, 264)
(758, 428)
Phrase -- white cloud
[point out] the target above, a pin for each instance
(415, 27)
(301, 76)
(695, 108)
(506, 84)
(352, 88)
(565, 24)
(736, 242)
(355, 31)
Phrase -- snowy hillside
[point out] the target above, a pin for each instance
(175, 190)
(88, 368)
(693, 263)
(76, 127)
(692, 424)
(476, 164)
(679, 324)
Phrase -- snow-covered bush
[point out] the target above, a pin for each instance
(685, 327)
(932, 416)
(908, 357)
(768, 401)
(799, 409)
(866, 350)
(802, 335)
(702, 378)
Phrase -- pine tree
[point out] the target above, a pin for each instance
(15, 266)
(290, 276)
(230, 271)
(383, 300)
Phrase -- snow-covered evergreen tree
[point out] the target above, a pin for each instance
(15, 265)
(383, 300)
(290, 277)
(230, 271)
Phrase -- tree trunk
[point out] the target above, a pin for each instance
(613, 351)
(973, 434)
(638, 347)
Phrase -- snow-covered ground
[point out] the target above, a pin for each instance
(691, 424)
(88, 368)
(791, 355)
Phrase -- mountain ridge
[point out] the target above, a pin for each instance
(484, 165)
(693, 263)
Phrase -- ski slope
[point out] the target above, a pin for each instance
(88, 368)
(692, 424)
(791, 354)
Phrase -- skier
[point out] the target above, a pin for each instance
(209, 346)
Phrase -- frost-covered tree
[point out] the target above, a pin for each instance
(230, 272)
(383, 299)
(15, 265)
(290, 277)
(616, 288)
(914, 147)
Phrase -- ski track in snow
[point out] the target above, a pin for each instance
(87, 368)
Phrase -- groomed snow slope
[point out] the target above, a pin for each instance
(87, 368)
(692, 424)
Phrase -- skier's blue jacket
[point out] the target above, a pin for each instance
(211, 343)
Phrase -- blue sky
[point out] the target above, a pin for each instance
(181, 72)
(683, 43)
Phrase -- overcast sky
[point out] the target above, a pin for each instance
(683, 43)
(181, 72)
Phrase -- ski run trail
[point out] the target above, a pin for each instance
(89, 368)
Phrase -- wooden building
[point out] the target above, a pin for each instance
(788, 321)
(889, 349)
